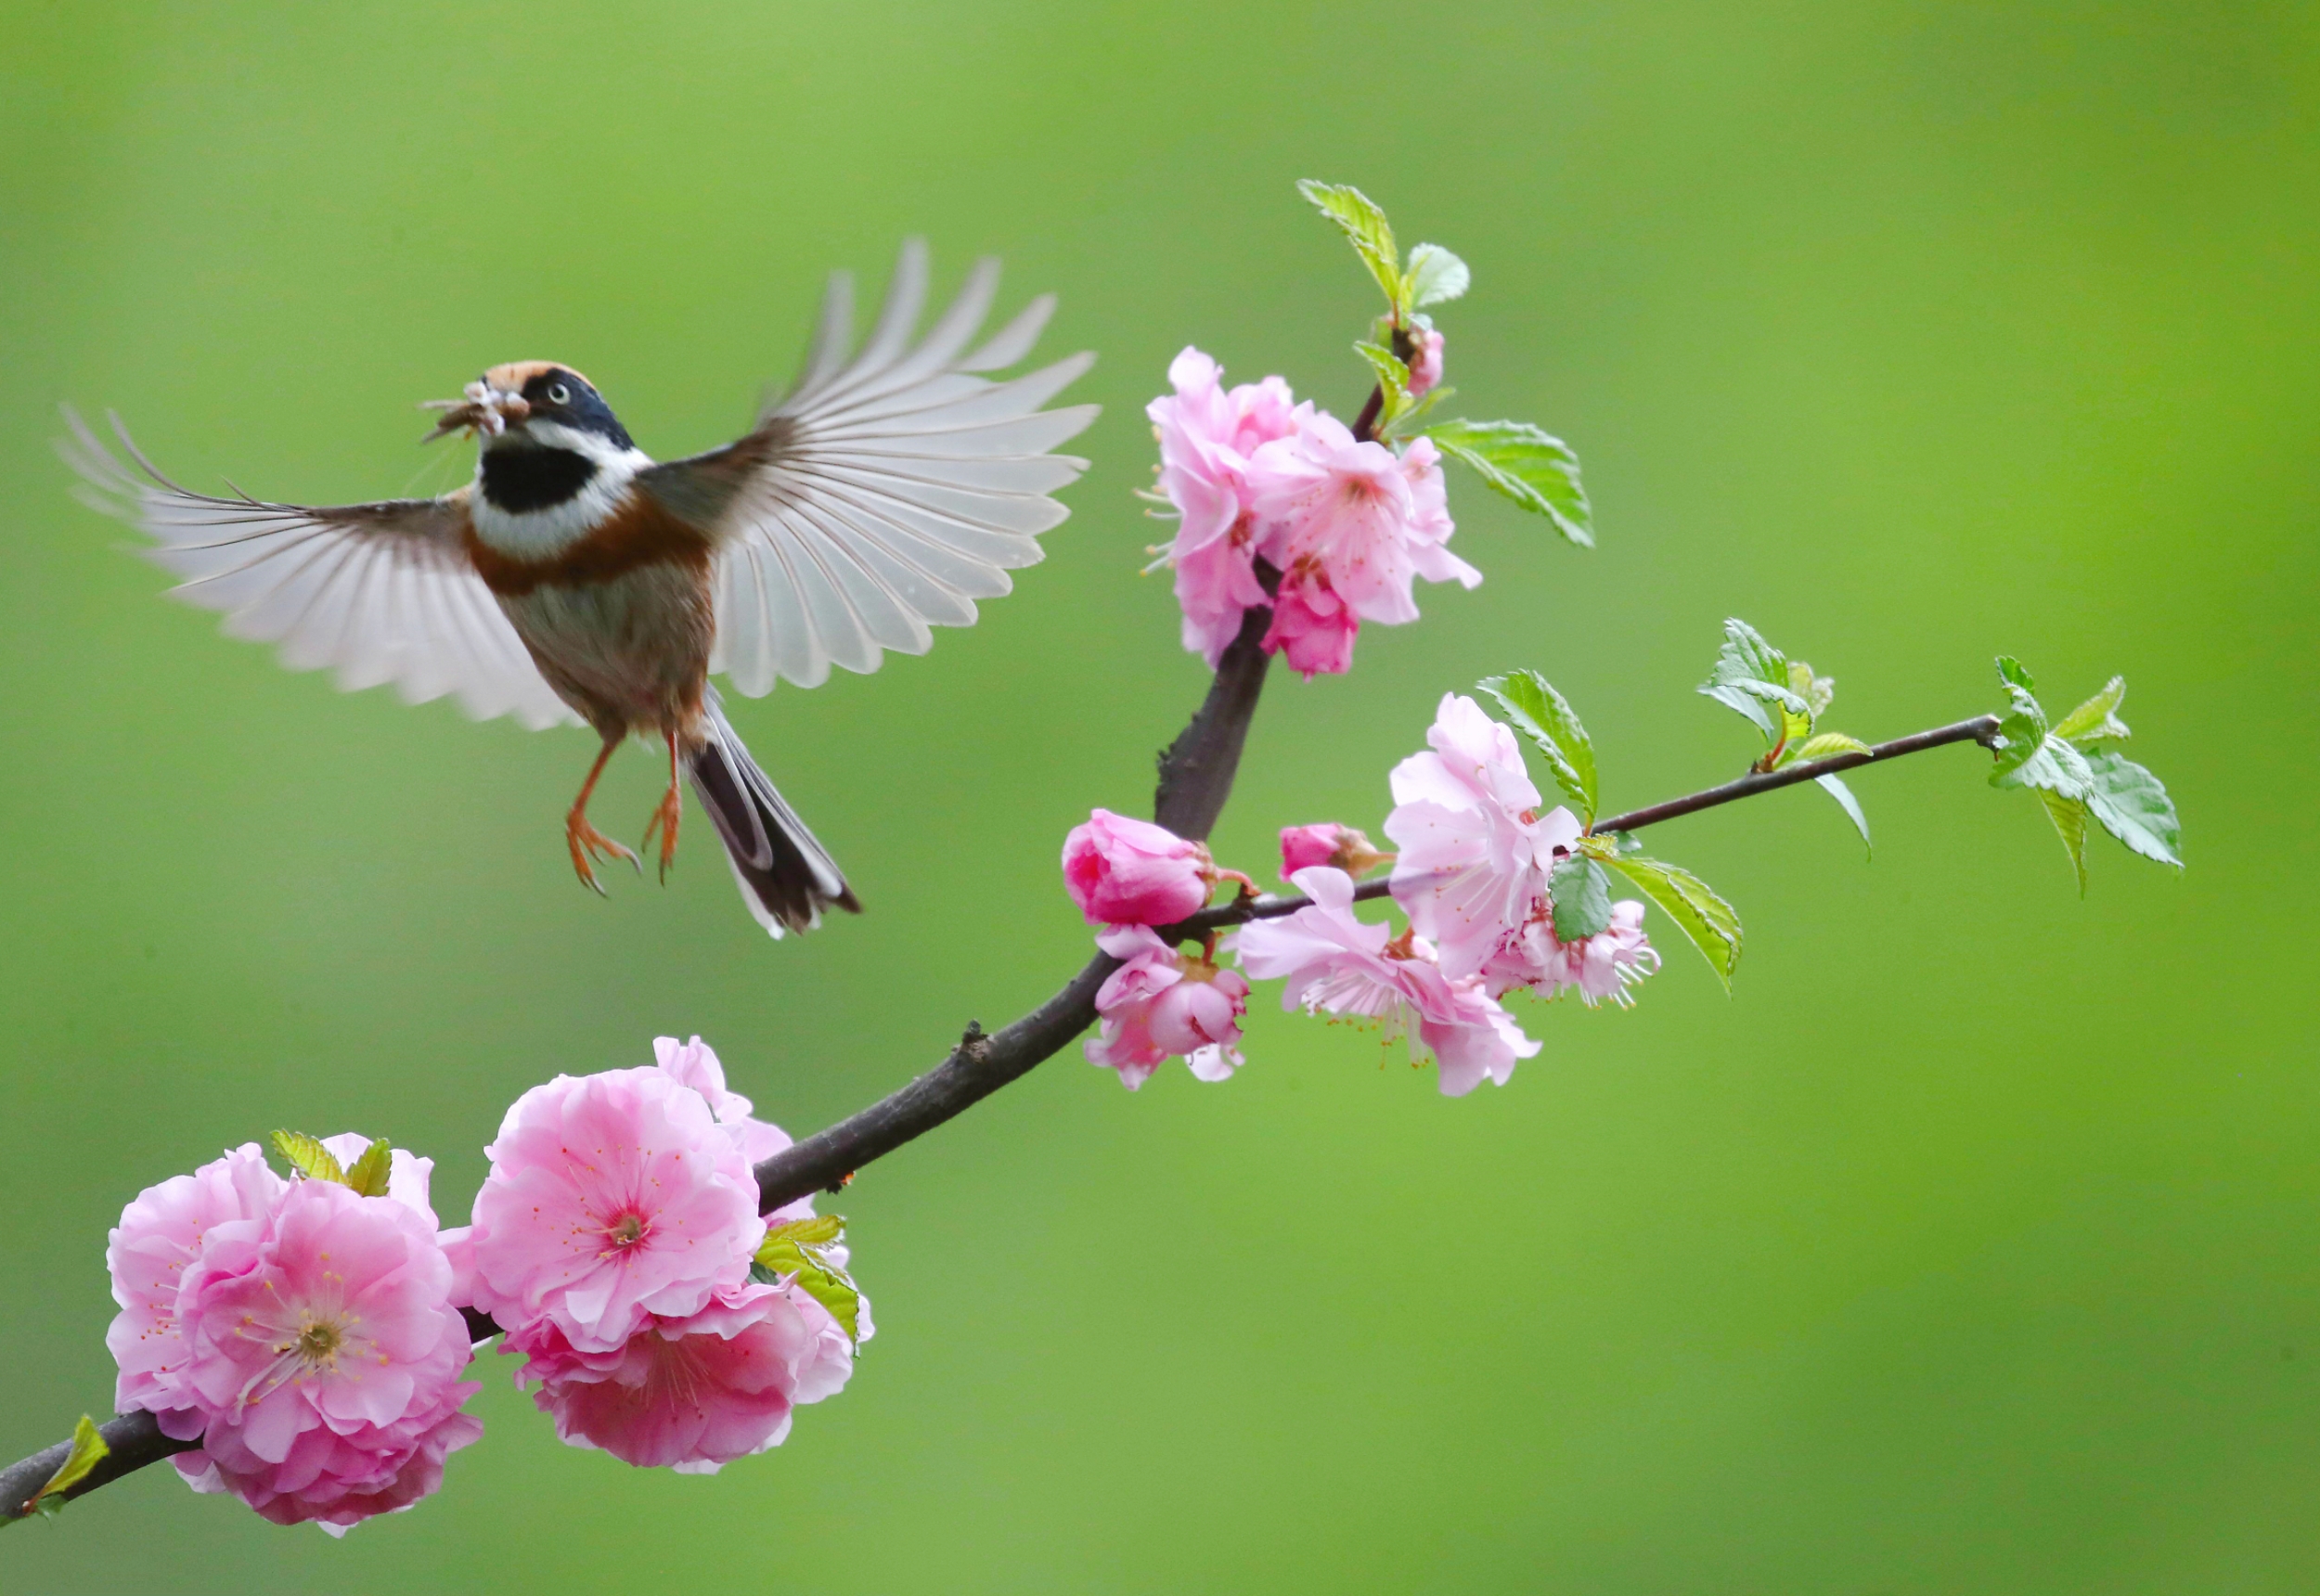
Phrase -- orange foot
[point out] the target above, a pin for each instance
(664, 818)
(588, 843)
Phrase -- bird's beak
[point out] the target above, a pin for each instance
(486, 411)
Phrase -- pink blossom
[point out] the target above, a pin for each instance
(1342, 508)
(1334, 963)
(1206, 438)
(1474, 852)
(324, 1357)
(1426, 362)
(1159, 1003)
(1430, 524)
(160, 1239)
(1312, 628)
(692, 1392)
(346, 1480)
(611, 1198)
(1601, 967)
(1122, 871)
(1341, 847)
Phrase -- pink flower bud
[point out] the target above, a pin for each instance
(1426, 362)
(1131, 872)
(1340, 847)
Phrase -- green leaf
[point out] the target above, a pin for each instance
(369, 1178)
(1366, 229)
(1537, 471)
(2097, 717)
(88, 1450)
(308, 1157)
(1540, 713)
(2070, 817)
(1711, 923)
(1581, 895)
(1850, 805)
(2033, 756)
(1752, 676)
(2133, 807)
(820, 1229)
(1828, 744)
(1393, 381)
(793, 1251)
(1436, 275)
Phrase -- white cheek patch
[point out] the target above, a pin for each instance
(541, 534)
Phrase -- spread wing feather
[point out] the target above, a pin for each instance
(887, 491)
(381, 593)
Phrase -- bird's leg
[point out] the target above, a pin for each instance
(664, 818)
(585, 840)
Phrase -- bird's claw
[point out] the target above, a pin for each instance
(665, 820)
(588, 843)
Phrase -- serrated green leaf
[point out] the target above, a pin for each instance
(1828, 744)
(1541, 714)
(1580, 892)
(1516, 459)
(308, 1157)
(2134, 807)
(2053, 766)
(1393, 381)
(1850, 805)
(88, 1450)
(793, 1251)
(1711, 923)
(1752, 677)
(369, 1178)
(2022, 732)
(1436, 275)
(2070, 817)
(2096, 718)
(1366, 229)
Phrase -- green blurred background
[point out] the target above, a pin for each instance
(1972, 1244)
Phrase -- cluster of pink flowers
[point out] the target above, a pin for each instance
(1348, 525)
(311, 1336)
(307, 1334)
(1127, 876)
(613, 1240)
(1472, 874)
(1474, 859)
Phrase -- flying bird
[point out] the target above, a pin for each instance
(576, 581)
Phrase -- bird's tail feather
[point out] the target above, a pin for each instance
(786, 876)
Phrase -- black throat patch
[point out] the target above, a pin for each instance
(517, 478)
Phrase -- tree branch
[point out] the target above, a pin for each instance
(1195, 778)
(135, 1439)
(1982, 728)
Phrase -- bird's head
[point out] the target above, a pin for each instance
(536, 402)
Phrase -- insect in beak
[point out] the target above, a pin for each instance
(485, 411)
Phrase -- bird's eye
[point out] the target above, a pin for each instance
(560, 395)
